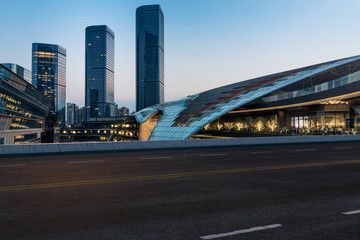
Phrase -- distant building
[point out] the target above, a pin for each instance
(116, 110)
(149, 56)
(124, 111)
(19, 70)
(94, 129)
(81, 115)
(71, 110)
(99, 71)
(121, 111)
(49, 75)
(74, 116)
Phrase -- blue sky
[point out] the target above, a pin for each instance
(208, 43)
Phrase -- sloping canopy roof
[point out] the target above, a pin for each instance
(182, 118)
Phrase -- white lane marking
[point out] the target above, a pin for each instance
(144, 158)
(215, 154)
(13, 165)
(305, 150)
(352, 212)
(338, 148)
(220, 235)
(90, 161)
(262, 152)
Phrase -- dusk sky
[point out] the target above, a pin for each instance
(208, 43)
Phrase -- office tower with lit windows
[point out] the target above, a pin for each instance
(49, 75)
(19, 70)
(149, 56)
(99, 72)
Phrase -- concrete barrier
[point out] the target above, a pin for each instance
(168, 144)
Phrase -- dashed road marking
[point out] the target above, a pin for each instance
(13, 165)
(305, 150)
(211, 155)
(339, 148)
(262, 152)
(145, 158)
(220, 235)
(352, 212)
(89, 161)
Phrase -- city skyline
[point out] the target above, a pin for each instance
(209, 44)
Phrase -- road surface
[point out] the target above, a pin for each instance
(269, 192)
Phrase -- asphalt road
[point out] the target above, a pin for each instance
(273, 192)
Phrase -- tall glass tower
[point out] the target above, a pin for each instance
(49, 75)
(149, 56)
(99, 71)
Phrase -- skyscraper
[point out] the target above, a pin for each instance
(149, 56)
(19, 70)
(49, 75)
(99, 71)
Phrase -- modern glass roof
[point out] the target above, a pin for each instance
(182, 118)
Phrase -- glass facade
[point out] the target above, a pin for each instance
(49, 75)
(19, 70)
(321, 98)
(149, 56)
(22, 106)
(99, 71)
